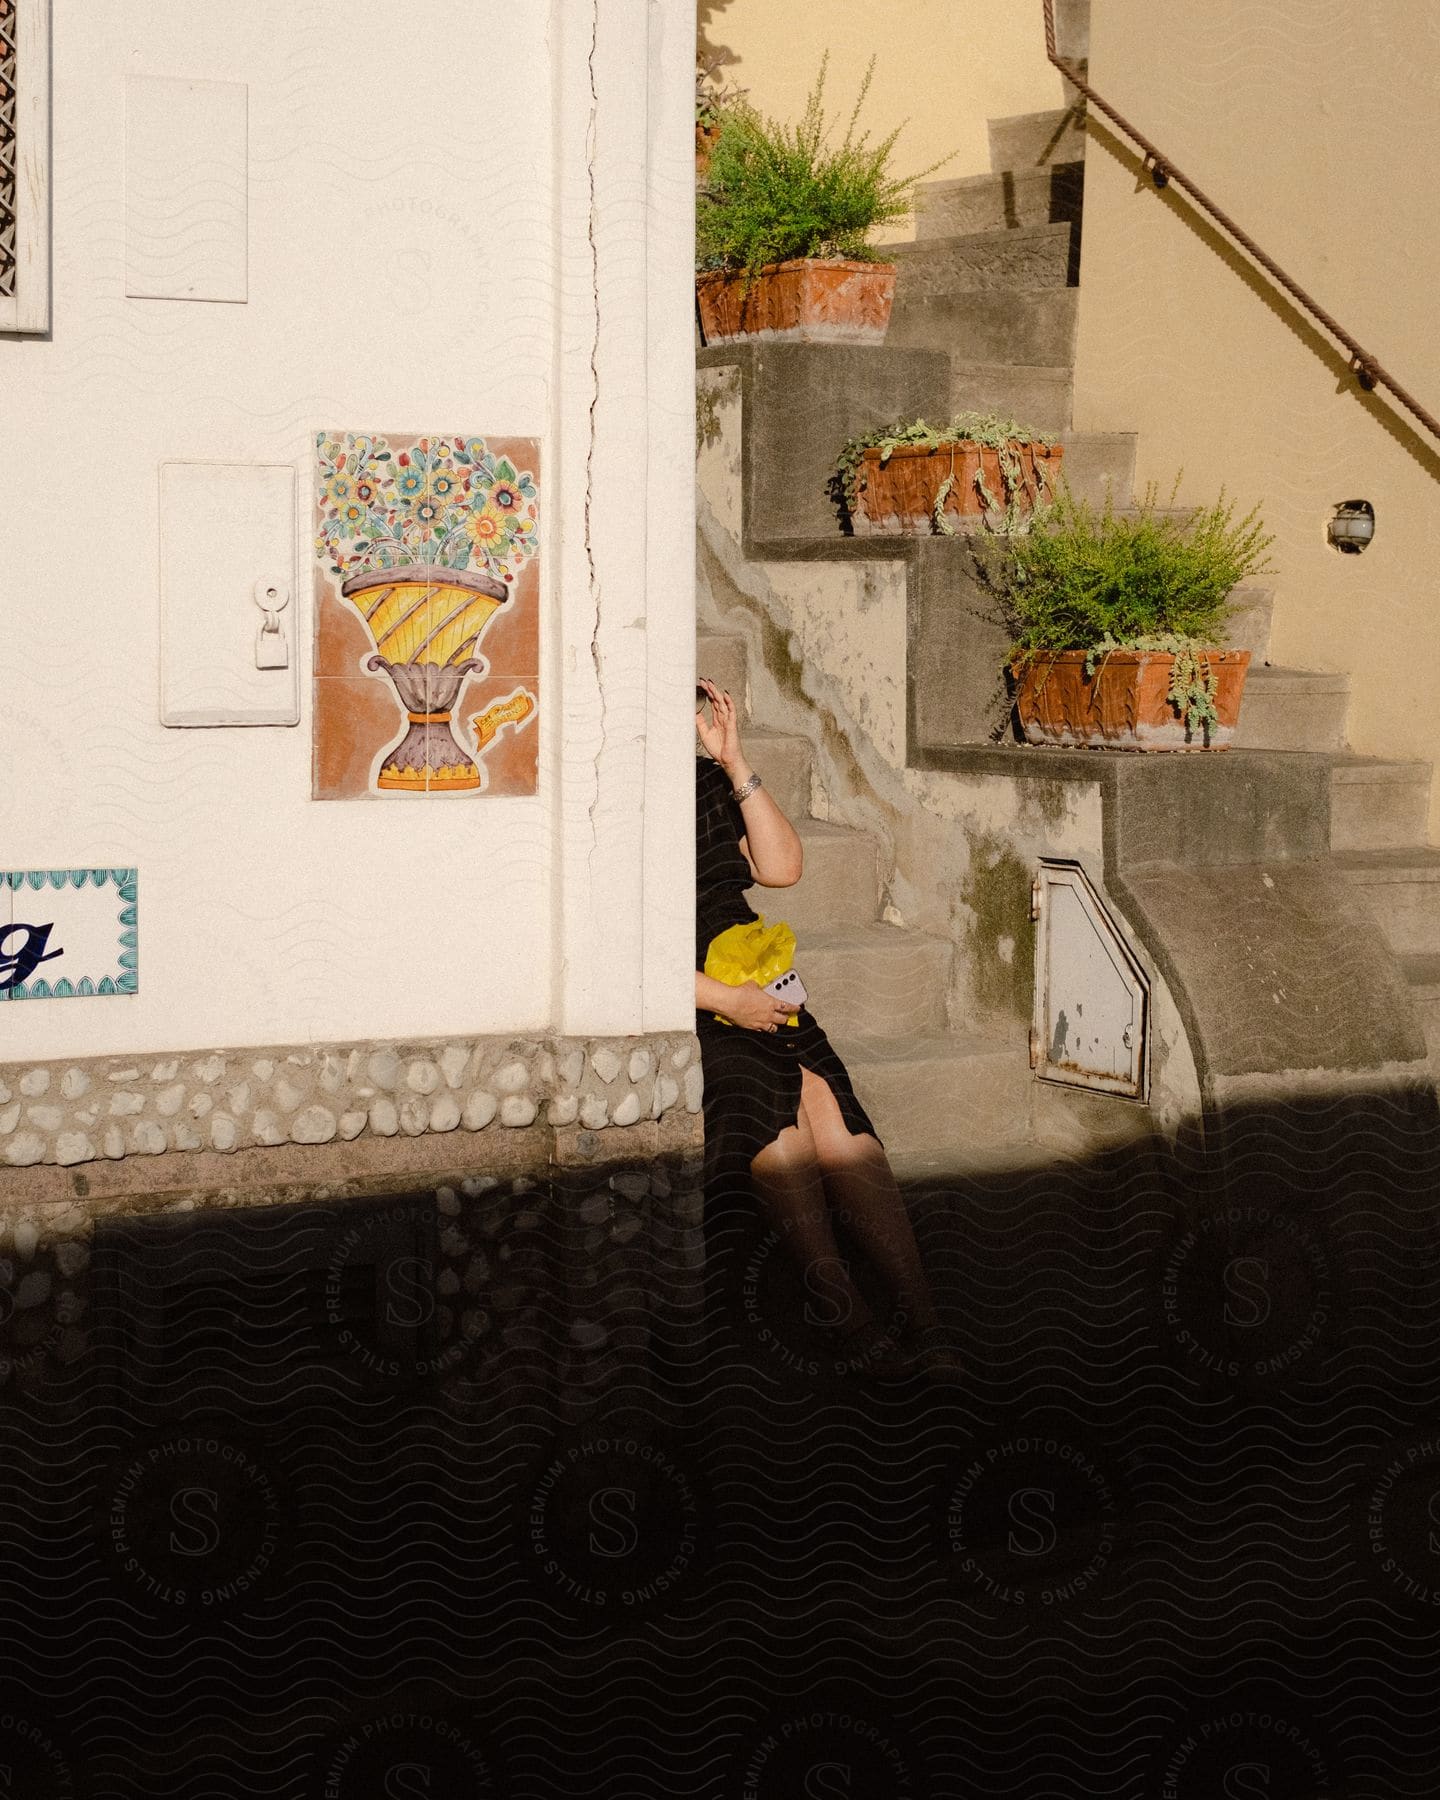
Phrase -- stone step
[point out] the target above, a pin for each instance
(1100, 462)
(1029, 256)
(1248, 627)
(1423, 974)
(1037, 140)
(1402, 889)
(1378, 805)
(1292, 709)
(1014, 198)
(876, 979)
(783, 762)
(993, 325)
(722, 658)
(840, 885)
(803, 401)
(954, 1099)
(1035, 395)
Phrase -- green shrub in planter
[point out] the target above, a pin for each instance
(777, 192)
(1085, 579)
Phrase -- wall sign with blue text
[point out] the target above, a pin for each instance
(68, 933)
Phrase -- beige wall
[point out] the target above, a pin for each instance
(946, 66)
(1320, 133)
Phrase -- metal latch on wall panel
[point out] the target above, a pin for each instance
(227, 547)
(1092, 995)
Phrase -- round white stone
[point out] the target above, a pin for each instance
(383, 1068)
(27, 1237)
(123, 1105)
(351, 1125)
(594, 1112)
(35, 1082)
(518, 1109)
(454, 1060)
(606, 1064)
(315, 1125)
(414, 1116)
(267, 1127)
(480, 1109)
(9, 1118)
(628, 1111)
(184, 1136)
(200, 1105)
(75, 1084)
(169, 1101)
(148, 1138)
(564, 1110)
(46, 1118)
(113, 1143)
(224, 1132)
(444, 1112)
(384, 1119)
(694, 1088)
(639, 1064)
(73, 1147)
(422, 1077)
(512, 1078)
(25, 1148)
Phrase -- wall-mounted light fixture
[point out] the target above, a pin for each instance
(1353, 526)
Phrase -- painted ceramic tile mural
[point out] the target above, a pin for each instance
(427, 616)
(68, 933)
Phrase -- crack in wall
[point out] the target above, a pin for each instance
(595, 657)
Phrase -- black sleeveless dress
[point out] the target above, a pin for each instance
(752, 1078)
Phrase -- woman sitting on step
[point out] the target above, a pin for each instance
(778, 1100)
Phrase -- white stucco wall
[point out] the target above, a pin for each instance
(476, 220)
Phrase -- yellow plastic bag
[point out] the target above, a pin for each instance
(754, 952)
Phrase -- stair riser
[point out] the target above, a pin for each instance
(954, 1106)
(1034, 325)
(785, 769)
(1248, 627)
(997, 202)
(1036, 140)
(723, 660)
(1099, 464)
(1408, 913)
(1035, 257)
(856, 990)
(840, 886)
(1042, 398)
(1271, 720)
(1378, 815)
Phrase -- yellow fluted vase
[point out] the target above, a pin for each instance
(425, 622)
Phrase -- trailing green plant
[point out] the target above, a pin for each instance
(1003, 436)
(777, 192)
(1096, 580)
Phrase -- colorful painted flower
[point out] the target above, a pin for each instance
(340, 488)
(410, 481)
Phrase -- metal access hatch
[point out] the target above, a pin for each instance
(1092, 998)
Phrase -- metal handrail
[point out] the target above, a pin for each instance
(1366, 369)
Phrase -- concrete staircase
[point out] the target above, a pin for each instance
(985, 316)
(941, 1099)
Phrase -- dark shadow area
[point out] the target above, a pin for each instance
(1383, 410)
(553, 1489)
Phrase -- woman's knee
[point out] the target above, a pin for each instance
(792, 1152)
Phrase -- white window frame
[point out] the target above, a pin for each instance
(28, 308)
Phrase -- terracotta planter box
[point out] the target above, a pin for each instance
(1125, 705)
(804, 302)
(898, 496)
(705, 136)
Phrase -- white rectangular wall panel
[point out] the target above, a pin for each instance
(186, 189)
(227, 538)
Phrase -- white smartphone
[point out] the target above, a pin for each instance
(789, 988)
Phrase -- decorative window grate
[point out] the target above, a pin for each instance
(25, 165)
(9, 35)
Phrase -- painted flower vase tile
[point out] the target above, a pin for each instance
(427, 550)
(69, 933)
